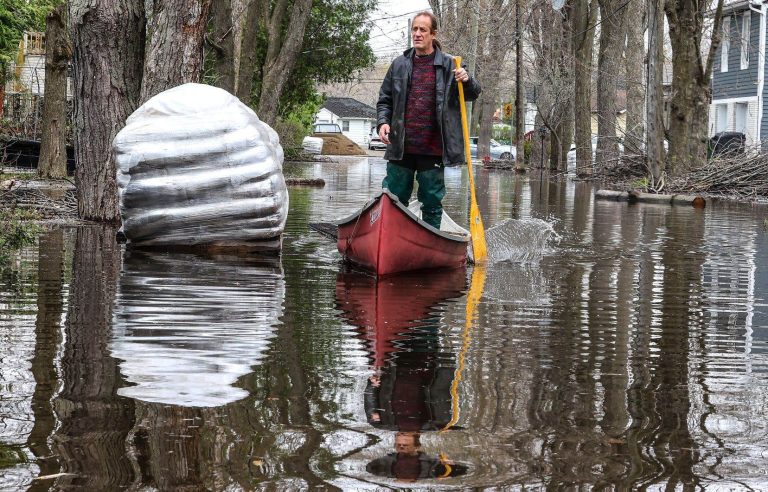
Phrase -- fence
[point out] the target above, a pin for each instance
(23, 116)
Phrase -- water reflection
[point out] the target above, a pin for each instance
(630, 356)
(186, 327)
(93, 421)
(409, 391)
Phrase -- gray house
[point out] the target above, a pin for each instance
(738, 79)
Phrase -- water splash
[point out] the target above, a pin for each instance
(519, 241)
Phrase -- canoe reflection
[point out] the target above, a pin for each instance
(187, 327)
(410, 389)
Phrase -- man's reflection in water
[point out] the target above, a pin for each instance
(410, 390)
(408, 462)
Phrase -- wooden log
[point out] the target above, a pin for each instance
(637, 196)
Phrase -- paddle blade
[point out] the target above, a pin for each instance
(479, 248)
(477, 231)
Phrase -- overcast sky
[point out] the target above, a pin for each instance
(390, 25)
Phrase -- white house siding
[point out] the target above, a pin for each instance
(359, 129)
(730, 123)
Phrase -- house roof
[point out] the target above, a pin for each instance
(347, 107)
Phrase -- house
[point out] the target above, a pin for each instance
(738, 76)
(355, 118)
(21, 98)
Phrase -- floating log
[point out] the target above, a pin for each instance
(640, 197)
(319, 182)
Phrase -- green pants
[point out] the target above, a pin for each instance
(431, 191)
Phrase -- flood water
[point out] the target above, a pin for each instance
(628, 350)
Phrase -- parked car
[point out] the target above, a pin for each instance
(571, 156)
(498, 150)
(374, 141)
(326, 128)
(726, 144)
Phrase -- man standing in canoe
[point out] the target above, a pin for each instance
(419, 118)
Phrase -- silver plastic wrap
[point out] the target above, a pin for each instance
(196, 166)
(187, 328)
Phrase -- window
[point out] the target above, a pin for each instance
(744, 45)
(725, 45)
(721, 118)
(345, 125)
(740, 118)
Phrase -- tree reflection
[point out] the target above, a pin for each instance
(94, 421)
(409, 391)
(50, 275)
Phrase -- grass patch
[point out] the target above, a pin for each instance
(18, 228)
(20, 176)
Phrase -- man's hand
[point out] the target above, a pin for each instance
(461, 75)
(384, 133)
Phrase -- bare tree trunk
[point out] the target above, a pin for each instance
(584, 18)
(58, 51)
(282, 53)
(255, 20)
(654, 106)
(633, 57)
(108, 39)
(174, 49)
(691, 90)
(519, 90)
(222, 43)
(472, 54)
(611, 44)
(566, 136)
(488, 102)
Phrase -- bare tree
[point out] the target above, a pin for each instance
(221, 40)
(654, 106)
(583, 18)
(691, 73)
(519, 89)
(174, 44)
(58, 52)
(108, 57)
(611, 48)
(634, 53)
(550, 38)
(283, 49)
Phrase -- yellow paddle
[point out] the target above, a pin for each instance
(479, 248)
(474, 295)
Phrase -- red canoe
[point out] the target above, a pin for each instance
(386, 237)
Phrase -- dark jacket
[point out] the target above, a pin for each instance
(393, 95)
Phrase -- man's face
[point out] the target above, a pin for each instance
(405, 443)
(421, 32)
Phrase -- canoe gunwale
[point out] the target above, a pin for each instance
(406, 212)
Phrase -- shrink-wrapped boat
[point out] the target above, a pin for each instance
(196, 167)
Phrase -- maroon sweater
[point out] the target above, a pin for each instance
(422, 134)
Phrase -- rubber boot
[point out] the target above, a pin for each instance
(431, 193)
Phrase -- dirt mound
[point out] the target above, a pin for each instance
(338, 144)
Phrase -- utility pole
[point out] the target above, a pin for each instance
(654, 104)
(408, 34)
(519, 92)
(472, 58)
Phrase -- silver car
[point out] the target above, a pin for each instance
(498, 151)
